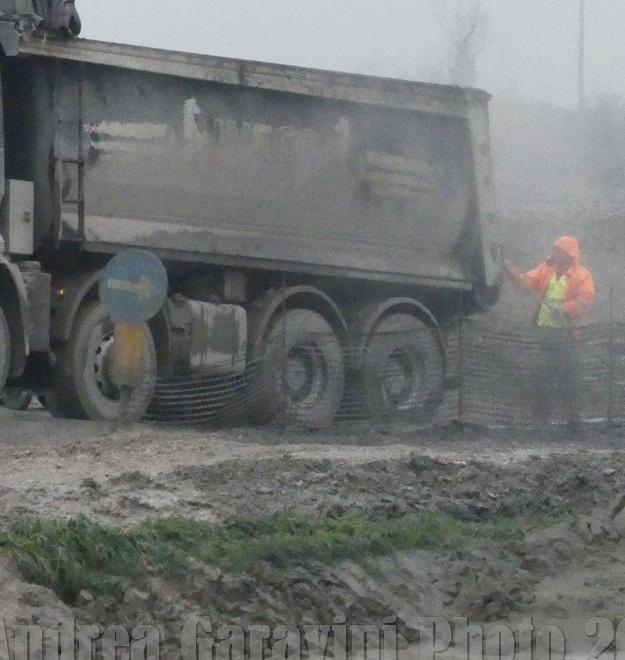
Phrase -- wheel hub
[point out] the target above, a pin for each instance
(102, 367)
(397, 377)
(299, 373)
(399, 380)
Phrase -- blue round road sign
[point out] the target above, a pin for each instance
(133, 286)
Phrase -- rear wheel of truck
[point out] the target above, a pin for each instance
(402, 371)
(82, 385)
(301, 376)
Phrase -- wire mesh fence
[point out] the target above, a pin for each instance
(538, 377)
(314, 381)
(474, 374)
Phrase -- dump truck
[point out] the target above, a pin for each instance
(346, 218)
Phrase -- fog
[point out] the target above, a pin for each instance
(529, 46)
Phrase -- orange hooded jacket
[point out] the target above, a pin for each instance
(580, 293)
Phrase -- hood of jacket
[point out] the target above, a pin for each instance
(570, 245)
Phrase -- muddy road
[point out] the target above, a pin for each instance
(58, 467)
(537, 525)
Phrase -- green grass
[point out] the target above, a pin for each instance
(75, 554)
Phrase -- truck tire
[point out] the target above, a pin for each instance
(402, 371)
(301, 376)
(5, 349)
(15, 398)
(81, 387)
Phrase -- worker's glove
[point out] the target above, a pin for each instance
(513, 274)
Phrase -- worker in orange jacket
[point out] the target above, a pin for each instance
(565, 293)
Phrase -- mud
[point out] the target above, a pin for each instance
(568, 572)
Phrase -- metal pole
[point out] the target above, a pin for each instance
(80, 165)
(283, 352)
(611, 357)
(461, 365)
(582, 57)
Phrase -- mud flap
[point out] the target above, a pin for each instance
(127, 362)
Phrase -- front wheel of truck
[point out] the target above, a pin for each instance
(16, 399)
(82, 386)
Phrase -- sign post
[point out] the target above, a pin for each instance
(133, 288)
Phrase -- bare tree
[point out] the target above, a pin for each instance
(465, 22)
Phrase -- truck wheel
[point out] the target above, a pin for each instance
(301, 375)
(82, 387)
(5, 349)
(16, 399)
(402, 370)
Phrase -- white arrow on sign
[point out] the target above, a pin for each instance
(144, 289)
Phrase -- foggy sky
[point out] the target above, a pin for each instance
(530, 45)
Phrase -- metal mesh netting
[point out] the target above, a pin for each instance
(488, 377)
(539, 377)
(314, 381)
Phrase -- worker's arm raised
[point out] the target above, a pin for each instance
(532, 280)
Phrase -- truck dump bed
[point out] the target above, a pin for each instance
(244, 163)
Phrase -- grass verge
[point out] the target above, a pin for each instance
(70, 555)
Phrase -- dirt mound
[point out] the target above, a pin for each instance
(469, 490)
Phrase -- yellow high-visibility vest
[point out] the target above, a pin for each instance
(556, 295)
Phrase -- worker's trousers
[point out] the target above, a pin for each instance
(555, 378)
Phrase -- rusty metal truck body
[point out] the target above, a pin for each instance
(262, 187)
